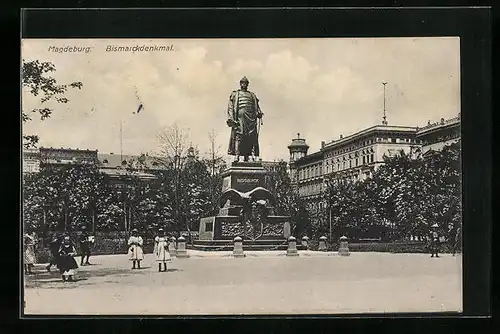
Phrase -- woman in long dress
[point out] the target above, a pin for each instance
(161, 247)
(29, 253)
(66, 262)
(136, 255)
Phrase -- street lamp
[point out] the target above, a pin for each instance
(330, 219)
(178, 162)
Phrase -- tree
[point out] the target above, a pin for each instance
(196, 195)
(37, 82)
(215, 164)
(288, 201)
(187, 181)
(62, 197)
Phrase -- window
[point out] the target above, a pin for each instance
(393, 140)
(364, 161)
(371, 158)
(357, 162)
(350, 163)
(209, 227)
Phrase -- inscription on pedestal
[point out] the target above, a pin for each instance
(231, 229)
(244, 183)
(272, 230)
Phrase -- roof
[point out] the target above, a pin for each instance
(431, 127)
(316, 155)
(110, 160)
(298, 142)
(62, 149)
(371, 130)
(114, 172)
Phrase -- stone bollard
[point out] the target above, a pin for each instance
(171, 247)
(292, 247)
(344, 248)
(238, 247)
(181, 248)
(322, 244)
(305, 242)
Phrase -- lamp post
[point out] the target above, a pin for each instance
(177, 178)
(330, 220)
(178, 164)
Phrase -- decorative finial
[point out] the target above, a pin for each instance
(298, 135)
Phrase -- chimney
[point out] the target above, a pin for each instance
(341, 136)
(323, 144)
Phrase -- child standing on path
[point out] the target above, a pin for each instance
(66, 262)
(135, 250)
(29, 252)
(161, 248)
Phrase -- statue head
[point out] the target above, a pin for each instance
(244, 83)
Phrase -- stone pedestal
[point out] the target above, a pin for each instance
(172, 247)
(243, 177)
(322, 244)
(292, 247)
(238, 247)
(305, 242)
(344, 248)
(181, 248)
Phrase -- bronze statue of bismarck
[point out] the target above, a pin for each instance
(244, 117)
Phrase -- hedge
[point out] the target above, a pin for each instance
(384, 247)
(116, 243)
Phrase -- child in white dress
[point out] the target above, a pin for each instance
(135, 250)
(161, 250)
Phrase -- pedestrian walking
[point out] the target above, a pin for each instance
(434, 240)
(136, 255)
(29, 252)
(84, 246)
(54, 246)
(161, 247)
(67, 264)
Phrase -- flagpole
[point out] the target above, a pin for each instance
(121, 140)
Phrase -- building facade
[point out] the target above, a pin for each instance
(434, 136)
(357, 156)
(49, 156)
(31, 161)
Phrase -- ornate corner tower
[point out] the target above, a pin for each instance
(298, 149)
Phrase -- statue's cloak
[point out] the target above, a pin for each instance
(244, 124)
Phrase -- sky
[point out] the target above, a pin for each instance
(320, 88)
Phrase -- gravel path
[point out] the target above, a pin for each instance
(262, 283)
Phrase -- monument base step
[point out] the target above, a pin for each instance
(248, 245)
